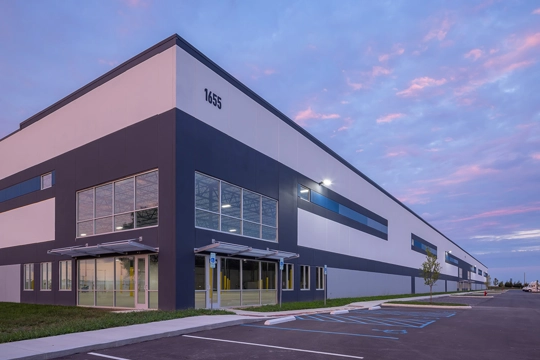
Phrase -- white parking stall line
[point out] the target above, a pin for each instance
(275, 347)
(107, 356)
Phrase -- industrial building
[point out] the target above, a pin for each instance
(121, 194)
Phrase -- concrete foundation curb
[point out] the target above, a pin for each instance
(279, 320)
(339, 312)
(427, 306)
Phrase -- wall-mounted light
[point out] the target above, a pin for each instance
(326, 182)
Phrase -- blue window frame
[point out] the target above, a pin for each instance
(451, 259)
(338, 208)
(25, 187)
(420, 245)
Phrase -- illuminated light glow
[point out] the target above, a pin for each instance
(327, 182)
(304, 190)
(226, 206)
(119, 228)
(83, 234)
(232, 230)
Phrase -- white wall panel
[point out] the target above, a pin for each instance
(10, 283)
(139, 93)
(352, 283)
(421, 288)
(241, 118)
(451, 285)
(28, 224)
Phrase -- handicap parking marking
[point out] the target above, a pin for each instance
(369, 320)
(391, 331)
(427, 314)
(321, 331)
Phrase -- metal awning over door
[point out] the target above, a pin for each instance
(114, 247)
(229, 249)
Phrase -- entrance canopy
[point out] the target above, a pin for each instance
(114, 247)
(243, 250)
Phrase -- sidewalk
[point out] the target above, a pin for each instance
(69, 344)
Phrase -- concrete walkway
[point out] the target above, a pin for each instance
(63, 345)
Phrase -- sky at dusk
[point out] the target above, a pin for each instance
(436, 101)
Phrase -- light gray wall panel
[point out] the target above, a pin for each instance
(352, 283)
(10, 283)
(451, 286)
(421, 288)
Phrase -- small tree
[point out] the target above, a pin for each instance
(495, 282)
(430, 271)
(488, 282)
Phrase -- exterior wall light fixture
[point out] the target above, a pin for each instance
(326, 182)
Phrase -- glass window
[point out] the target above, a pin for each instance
(104, 225)
(85, 228)
(28, 277)
(240, 211)
(85, 205)
(269, 212)
(46, 276)
(86, 275)
(206, 193)
(304, 277)
(123, 222)
(147, 217)
(65, 275)
(206, 220)
(268, 275)
(232, 225)
(124, 196)
(104, 200)
(146, 190)
(303, 192)
(230, 200)
(251, 207)
(287, 277)
(319, 281)
(46, 181)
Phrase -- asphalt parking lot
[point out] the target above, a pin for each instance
(503, 327)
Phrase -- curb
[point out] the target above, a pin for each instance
(427, 306)
(280, 320)
(135, 340)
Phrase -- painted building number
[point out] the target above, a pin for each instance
(212, 98)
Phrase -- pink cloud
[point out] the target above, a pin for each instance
(389, 118)
(269, 71)
(536, 156)
(110, 63)
(347, 124)
(136, 3)
(304, 116)
(440, 31)
(461, 175)
(354, 86)
(418, 84)
(395, 153)
(397, 49)
(378, 71)
(258, 73)
(536, 12)
(415, 196)
(475, 54)
(503, 212)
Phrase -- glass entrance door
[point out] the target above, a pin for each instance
(141, 271)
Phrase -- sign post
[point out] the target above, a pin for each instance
(281, 263)
(325, 285)
(212, 267)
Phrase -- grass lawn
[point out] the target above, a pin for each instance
(425, 303)
(29, 321)
(301, 305)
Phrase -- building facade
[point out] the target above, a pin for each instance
(166, 183)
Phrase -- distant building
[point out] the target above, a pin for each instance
(118, 194)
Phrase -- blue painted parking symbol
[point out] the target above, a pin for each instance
(392, 331)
